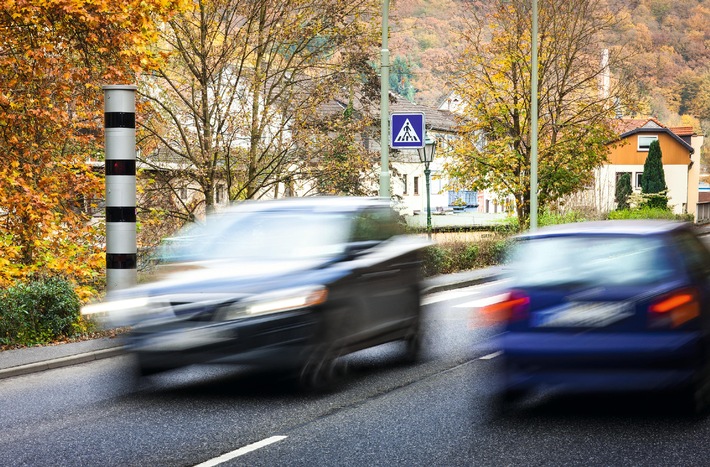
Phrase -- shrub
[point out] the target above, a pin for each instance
(653, 181)
(39, 311)
(450, 257)
(623, 191)
(647, 212)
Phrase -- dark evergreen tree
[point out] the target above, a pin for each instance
(653, 183)
(623, 191)
(401, 77)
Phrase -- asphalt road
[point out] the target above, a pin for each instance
(384, 413)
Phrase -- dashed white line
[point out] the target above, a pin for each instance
(491, 355)
(481, 302)
(241, 451)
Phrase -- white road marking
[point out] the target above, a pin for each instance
(241, 451)
(491, 355)
(485, 301)
(448, 295)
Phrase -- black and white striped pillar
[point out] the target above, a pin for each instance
(120, 146)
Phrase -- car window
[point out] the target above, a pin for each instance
(376, 225)
(266, 235)
(694, 254)
(591, 260)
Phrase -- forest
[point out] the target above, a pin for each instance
(668, 43)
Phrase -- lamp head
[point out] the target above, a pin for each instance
(426, 154)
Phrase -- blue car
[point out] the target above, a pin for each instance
(604, 307)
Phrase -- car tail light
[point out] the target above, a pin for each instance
(504, 308)
(675, 308)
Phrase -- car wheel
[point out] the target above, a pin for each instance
(320, 372)
(695, 399)
(413, 345)
(505, 401)
(413, 339)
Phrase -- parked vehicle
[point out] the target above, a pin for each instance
(606, 307)
(291, 284)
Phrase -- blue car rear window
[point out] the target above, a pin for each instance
(591, 260)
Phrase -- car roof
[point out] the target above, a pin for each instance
(612, 227)
(312, 203)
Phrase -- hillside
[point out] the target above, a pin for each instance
(670, 40)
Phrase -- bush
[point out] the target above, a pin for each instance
(647, 212)
(42, 310)
(450, 257)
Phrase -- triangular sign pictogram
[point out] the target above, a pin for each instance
(407, 134)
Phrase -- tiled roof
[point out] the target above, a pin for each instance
(630, 126)
(435, 119)
(625, 125)
(683, 130)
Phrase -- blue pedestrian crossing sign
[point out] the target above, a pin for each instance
(407, 130)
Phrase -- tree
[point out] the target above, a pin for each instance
(54, 56)
(401, 77)
(574, 110)
(236, 101)
(653, 182)
(623, 191)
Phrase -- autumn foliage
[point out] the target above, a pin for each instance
(55, 55)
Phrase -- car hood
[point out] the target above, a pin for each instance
(223, 277)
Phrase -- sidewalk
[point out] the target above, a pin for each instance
(33, 359)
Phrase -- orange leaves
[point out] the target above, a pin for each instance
(56, 55)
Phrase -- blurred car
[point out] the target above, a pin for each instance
(291, 284)
(606, 306)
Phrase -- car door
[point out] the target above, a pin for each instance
(388, 279)
(696, 258)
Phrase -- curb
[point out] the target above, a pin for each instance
(459, 284)
(61, 362)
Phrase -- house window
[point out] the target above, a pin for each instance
(183, 193)
(639, 176)
(219, 194)
(416, 185)
(404, 181)
(644, 141)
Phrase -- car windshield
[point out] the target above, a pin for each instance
(260, 236)
(590, 260)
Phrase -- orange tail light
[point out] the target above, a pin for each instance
(675, 309)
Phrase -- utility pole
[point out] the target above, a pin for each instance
(385, 104)
(533, 121)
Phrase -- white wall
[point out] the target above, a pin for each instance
(676, 180)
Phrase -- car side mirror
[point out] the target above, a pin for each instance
(356, 249)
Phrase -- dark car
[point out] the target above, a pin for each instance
(604, 307)
(290, 284)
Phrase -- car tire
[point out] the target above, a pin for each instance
(505, 401)
(320, 372)
(413, 345)
(414, 338)
(695, 398)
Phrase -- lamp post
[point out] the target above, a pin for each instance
(426, 155)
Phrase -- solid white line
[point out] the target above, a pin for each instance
(241, 451)
(491, 355)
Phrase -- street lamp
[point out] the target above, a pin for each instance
(426, 155)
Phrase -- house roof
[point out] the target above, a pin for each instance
(629, 127)
(435, 119)
(683, 130)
